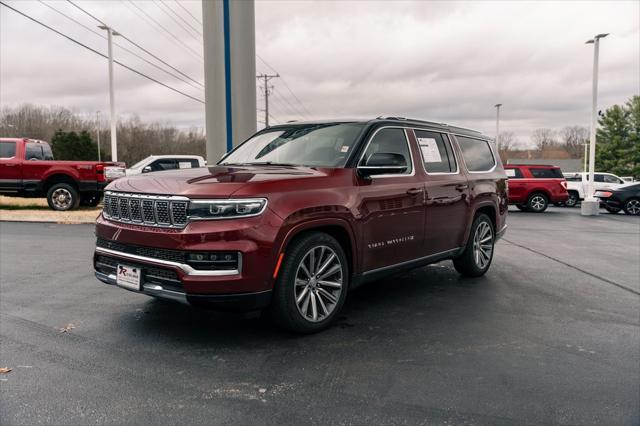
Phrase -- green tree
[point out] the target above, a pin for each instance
(618, 138)
(73, 146)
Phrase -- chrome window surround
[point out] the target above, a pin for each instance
(389, 175)
(493, 154)
(145, 197)
(187, 269)
(448, 138)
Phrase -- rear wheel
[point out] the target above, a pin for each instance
(312, 284)
(90, 199)
(478, 253)
(537, 202)
(62, 197)
(573, 199)
(632, 207)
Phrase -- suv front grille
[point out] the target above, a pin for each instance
(151, 210)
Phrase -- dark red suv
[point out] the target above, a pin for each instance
(301, 213)
(533, 187)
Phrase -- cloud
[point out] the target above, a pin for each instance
(445, 61)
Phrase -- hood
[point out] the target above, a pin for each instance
(210, 182)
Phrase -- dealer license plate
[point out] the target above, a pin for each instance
(128, 277)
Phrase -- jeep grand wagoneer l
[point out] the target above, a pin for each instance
(300, 213)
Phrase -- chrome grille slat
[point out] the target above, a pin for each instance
(152, 210)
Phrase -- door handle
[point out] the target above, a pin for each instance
(414, 191)
(462, 187)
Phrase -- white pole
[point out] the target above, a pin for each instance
(497, 122)
(586, 152)
(98, 132)
(590, 205)
(112, 105)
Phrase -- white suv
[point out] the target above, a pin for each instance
(158, 163)
(577, 184)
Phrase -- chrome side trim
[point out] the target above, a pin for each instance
(188, 270)
(148, 289)
(425, 259)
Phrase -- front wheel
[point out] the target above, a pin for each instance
(478, 253)
(573, 199)
(537, 203)
(632, 207)
(312, 284)
(62, 197)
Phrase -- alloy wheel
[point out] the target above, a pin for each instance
(572, 201)
(483, 245)
(537, 202)
(633, 207)
(62, 199)
(318, 283)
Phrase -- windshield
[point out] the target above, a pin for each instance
(316, 145)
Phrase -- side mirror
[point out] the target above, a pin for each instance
(382, 163)
(146, 169)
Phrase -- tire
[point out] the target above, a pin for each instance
(632, 207)
(537, 202)
(573, 199)
(476, 258)
(612, 210)
(522, 207)
(90, 199)
(298, 296)
(62, 197)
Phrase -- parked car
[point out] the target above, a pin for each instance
(577, 185)
(301, 213)
(27, 169)
(626, 197)
(157, 163)
(533, 187)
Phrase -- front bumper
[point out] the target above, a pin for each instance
(241, 302)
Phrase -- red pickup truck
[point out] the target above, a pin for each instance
(27, 169)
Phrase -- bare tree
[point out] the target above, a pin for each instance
(505, 144)
(544, 139)
(574, 138)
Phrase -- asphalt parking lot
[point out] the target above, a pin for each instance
(550, 335)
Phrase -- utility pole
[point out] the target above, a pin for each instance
(590, 206)
(112, 104)
(265, 80)
(497, 106)
(98, 132)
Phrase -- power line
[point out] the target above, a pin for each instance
(187, 10)
(186, 46)
(293, 108)
(119, 45)
(166, 4)
(157, 4)
(285, 85)
(99, 53)
(137, 45)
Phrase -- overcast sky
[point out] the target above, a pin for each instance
(443, 61)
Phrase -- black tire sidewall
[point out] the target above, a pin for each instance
(284, 308)
(466, 264)
(626, 209)
(75, 197)
(572, 196)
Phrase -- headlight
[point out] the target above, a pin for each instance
(226, 209)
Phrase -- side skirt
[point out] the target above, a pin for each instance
(377, 274)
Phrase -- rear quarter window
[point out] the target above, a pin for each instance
(477, 154)
(546, 173)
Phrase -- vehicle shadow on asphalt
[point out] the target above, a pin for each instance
(424, 293)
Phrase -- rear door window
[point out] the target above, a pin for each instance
(513, 173)
(436, 151)
(477, 154)
(164, 164)
(7, 149)
(546, 173)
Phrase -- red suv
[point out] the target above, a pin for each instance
(533, 187)
(300, 213)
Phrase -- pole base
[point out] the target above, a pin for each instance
(590, 208)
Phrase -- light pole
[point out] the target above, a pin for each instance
(586, 153)
(497, 106)
(112, 105)
(590, 205)
(98, 132)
